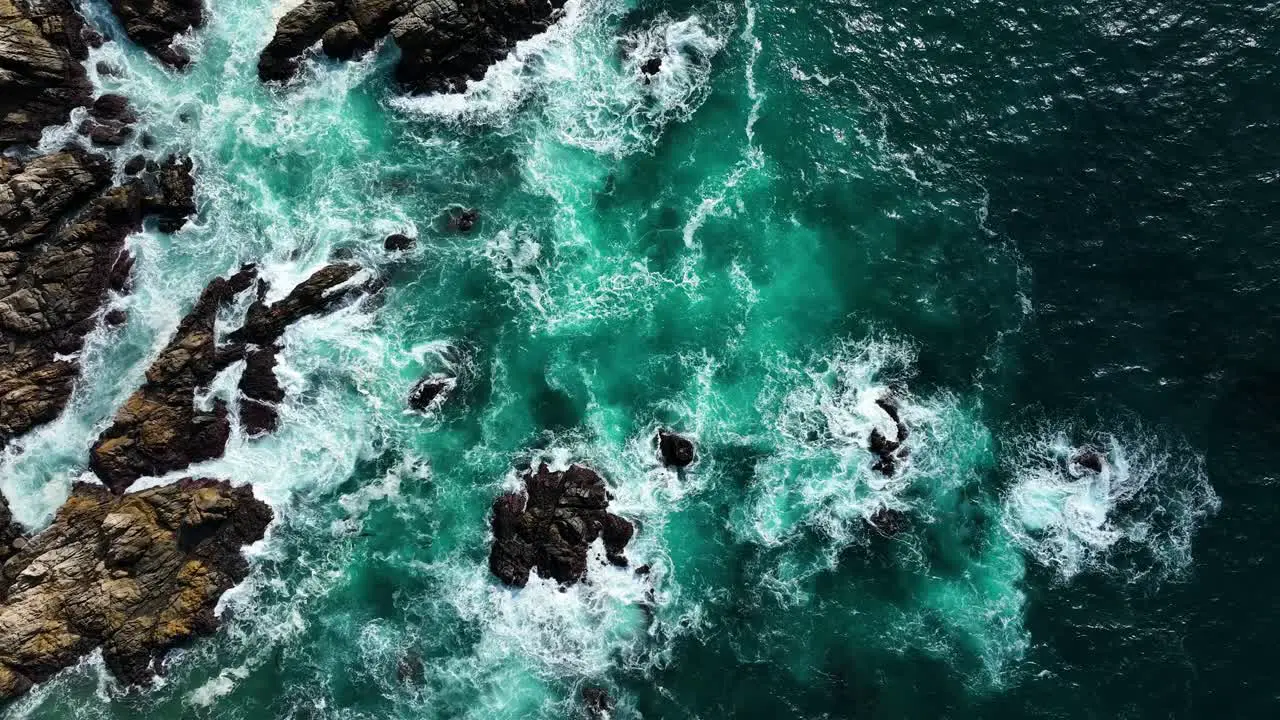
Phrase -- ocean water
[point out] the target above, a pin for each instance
(1044, 229)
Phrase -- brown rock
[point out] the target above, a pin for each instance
(62, 233)
(153, 23)
(134, 575)
(41, 47)
(261, 391)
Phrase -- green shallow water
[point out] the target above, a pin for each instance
(1047, 227)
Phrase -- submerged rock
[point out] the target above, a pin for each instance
(442, 44)
(409, 669)
(62, 233)
(652, 66)
(550, 525)
(597, 701)
(887, 521)
(676, 450)
(153, 23)
(134, 575)
(1090, 459)
(42, 47)
(426, 390)
(466, 220)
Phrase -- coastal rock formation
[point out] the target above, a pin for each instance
(12, 538)
(426, 390)
(676, 451)
(42, 44)
(110, 119)
(159, 429)
(134, 575)
(260, 391)
(153, 23)
(443, 43)
(62, 233)
(887, 521)
(550, 525)
(597, 702)
(889, 453)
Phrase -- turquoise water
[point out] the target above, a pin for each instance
(1046, 228)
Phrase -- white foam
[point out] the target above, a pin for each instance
(1145, 504)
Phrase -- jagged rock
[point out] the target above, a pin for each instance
(12, 539)
(62, 233)
(105, 68)
(264, 324)
(888, 452)
(409, 668)
(110, 119)
(134, 575)
(153, 23)
(550, 526)
(443, 43)
(652, 66)
(397, 243)
(159, 429)
(115, 318)
(260, 390)
(42, 44)
(597, 701)
(677, 451)
(426, 390)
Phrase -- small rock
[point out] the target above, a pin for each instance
(677, 451)
(113, 106)
(115, 318)
(652, 65)
(1089, 459)
(148, 140)
(107, 69)
(397, 242)
(409, 668)
(135, 165)
(467, 219)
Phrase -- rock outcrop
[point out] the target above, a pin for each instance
(153, 23)
(42, 44)
(159, 429)
(110, 121)
(260, 391)
(551, 524)
(889, 453)
(134, 575)
(427, 389)
(62, 233)
(12, 539)
(676, 450)
(443, 43)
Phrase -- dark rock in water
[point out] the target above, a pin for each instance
(112, 106)
(397, 242)
(1090, 459)
(442, 44)
(261, 392)
(652, 65)
(467, 220)
(115, 318)
(888, 452)
(597, 701)
(644, 570)
(153, 23)
(888, 522)
(158, 429)
(134, 575)
(107, 69)
(409, 668)
(12, 538)
(148, 141)
(550, 525)
(110, 120)
(426, 391)
(136, 164)
(677, 451)
(41, 49)
(62, 233)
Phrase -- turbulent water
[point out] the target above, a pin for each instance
(1046, 228)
